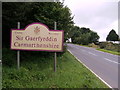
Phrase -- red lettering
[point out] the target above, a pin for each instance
(16, 44)
(19, 38)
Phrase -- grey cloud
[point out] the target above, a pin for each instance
(97, 16)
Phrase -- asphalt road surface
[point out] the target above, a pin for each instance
(103, 64)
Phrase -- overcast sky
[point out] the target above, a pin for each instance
(100, 16)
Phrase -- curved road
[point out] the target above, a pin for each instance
(103, 64)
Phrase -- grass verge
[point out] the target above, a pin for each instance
(37, 72)
(108, 51)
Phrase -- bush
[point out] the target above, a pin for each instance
(93, 45)
(64, 50)
(110, 46)
(8, 57)
(102, 44)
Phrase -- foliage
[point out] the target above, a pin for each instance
(93, 45)
(83, 35)
(110, 46)
(102, 44)
(37, 72)
(29, 12)
(8, 57)
(112, 36)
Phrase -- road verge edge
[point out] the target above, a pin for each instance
(91, 71)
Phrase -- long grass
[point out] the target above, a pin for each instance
(37, 72)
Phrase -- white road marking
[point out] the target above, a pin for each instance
(111, 60)
(106, 53)
(79, 48)
(92, 53)
(91, 71)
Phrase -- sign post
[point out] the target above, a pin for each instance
(18, 52)
(55, 55)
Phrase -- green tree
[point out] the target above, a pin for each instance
(93, 37)
(82, 35)
(112, 36)
(74, 34)
(29, 12)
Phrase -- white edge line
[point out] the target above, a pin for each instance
(91, 71)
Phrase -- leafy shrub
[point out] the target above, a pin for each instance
(64, 50)
(8, 57)
(110, 46)
(93, 45)
(102, 44)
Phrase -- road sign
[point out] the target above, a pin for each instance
(37, 37)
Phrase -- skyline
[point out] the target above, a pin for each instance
(99, 16)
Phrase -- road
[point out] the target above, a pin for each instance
(103, 64)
